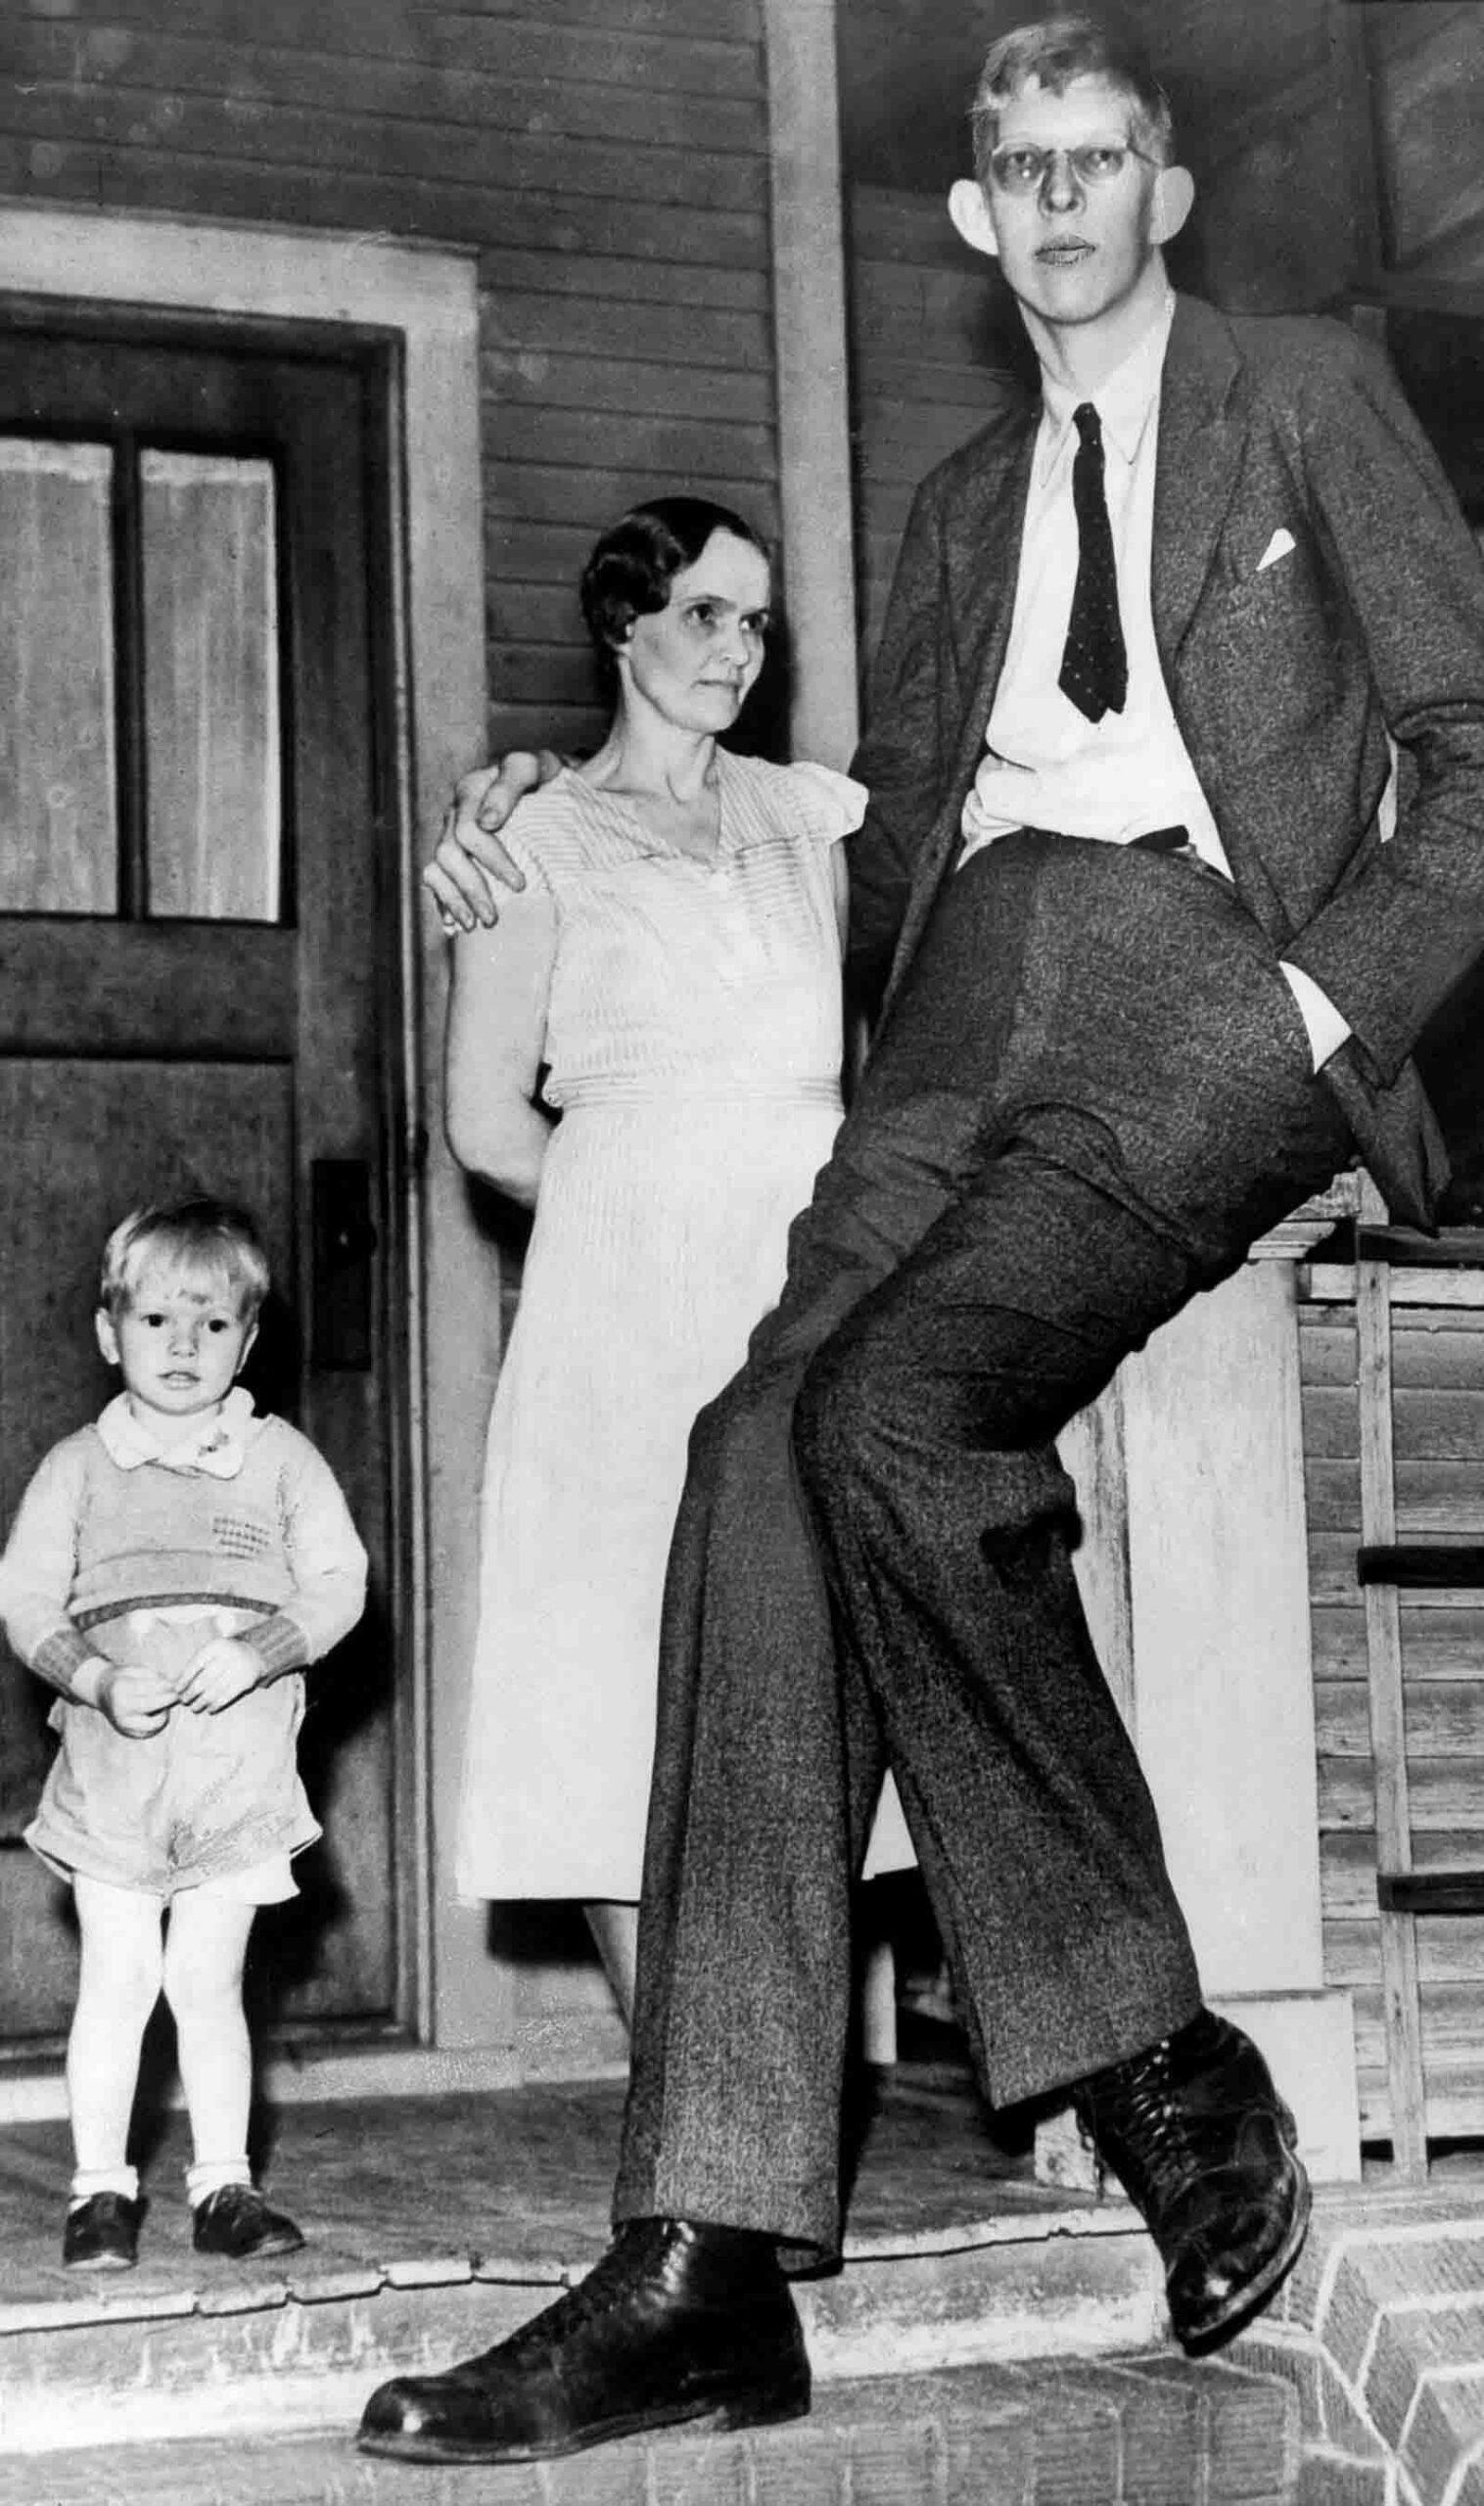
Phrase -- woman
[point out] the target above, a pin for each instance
(668, 982)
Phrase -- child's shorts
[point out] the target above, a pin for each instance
(210, 1801)
(270, 1882)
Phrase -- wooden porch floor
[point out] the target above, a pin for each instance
(515, 2177)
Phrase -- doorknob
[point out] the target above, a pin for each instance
(342, 1237)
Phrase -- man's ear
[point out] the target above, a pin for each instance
(246, 1350)
(970, 212)
(108, 1337)
(1173, 192)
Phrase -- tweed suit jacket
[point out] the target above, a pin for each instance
(1294, 683)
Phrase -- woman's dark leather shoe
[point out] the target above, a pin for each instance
(103, 2233)
(676, 2323)
(1206, 2149)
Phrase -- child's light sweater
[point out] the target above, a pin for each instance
(247, 1517)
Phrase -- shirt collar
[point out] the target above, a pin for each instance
(217, 1446)
(1125, 399)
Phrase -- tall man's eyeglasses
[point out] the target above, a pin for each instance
(1018, 170)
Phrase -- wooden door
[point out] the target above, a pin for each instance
(198, 917)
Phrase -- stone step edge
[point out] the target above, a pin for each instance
(304, 2365)
(104, 2300)
(954, 2431)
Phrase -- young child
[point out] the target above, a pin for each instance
(170, 1571)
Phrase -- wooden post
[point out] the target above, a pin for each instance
(1400, 1988)
(1195, 1572)
(812, 378)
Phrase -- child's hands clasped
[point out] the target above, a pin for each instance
(136, 1699)
(218, 1674)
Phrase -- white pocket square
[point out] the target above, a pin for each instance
(1279, 545)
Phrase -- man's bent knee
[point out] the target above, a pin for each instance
(840, 1415)
(868, 1418)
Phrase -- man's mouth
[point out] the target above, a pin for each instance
(1065, 252)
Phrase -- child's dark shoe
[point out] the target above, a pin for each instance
(102, 2233)
(238, 2223)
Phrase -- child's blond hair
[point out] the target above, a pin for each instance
(195, 1240)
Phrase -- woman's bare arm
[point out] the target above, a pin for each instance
(840, 875)
(495, 1043)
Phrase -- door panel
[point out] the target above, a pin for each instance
(229, 1026)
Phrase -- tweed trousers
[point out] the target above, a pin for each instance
(1092, 1091)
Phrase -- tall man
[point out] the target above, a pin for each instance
(1176, 836)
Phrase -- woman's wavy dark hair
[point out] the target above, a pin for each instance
(631, 569)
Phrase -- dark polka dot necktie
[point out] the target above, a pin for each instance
(1094, 666)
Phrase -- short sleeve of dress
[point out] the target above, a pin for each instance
(522, 837)
(835, 803)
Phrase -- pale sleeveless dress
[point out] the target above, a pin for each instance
(693, 1043)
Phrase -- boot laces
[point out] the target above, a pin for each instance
(610, 2280)
(1152, 2126)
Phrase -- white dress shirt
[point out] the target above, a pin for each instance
(1044, 764)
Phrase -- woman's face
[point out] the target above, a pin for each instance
(695, 660)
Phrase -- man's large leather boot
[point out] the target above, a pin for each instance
(676, 2323)
(1206, 2149)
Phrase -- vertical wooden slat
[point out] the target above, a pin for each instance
(1388, 1715)
(1373, 207)
(813, 382)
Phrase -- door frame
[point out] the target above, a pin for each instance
(426, 299)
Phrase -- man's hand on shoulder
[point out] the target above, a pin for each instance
(471, 868)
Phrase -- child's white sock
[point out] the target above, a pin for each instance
(89, 2180)
(209, 2175)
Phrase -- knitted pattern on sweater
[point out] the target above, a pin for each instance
(93, 1540)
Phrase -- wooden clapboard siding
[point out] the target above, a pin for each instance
(931, 345)
(1427, 68)
(1438, 1364)
(608, 159)
(1285, 205)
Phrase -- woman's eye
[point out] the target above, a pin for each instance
(704, 613)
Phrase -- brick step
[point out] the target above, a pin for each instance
(1380, 2330)
(237, 2350)
(1140, 2430)
(1015, 2362)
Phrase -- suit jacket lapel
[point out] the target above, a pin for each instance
(983, 534)
(1201, 441)
(984, 539)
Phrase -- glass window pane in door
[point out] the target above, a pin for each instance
(212, 759)
(57, 750)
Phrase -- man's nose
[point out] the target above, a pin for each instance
(1059, 186)
(183, 1336)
